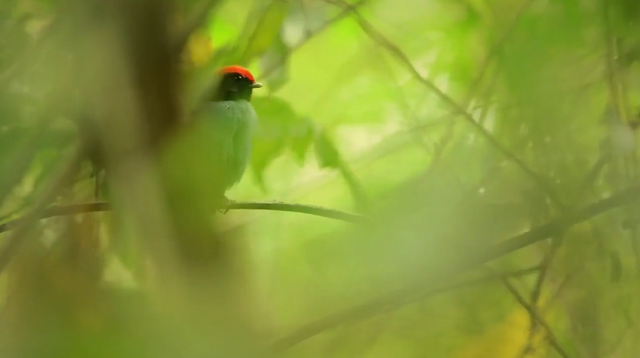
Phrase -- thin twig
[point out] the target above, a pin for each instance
(484, 68)
(298, 208)
(537, 291)
(533, 312)
(419, 289)
(75, 209)
(393, 49)
(310, 35)
(496, 48)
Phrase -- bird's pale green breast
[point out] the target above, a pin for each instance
(231, 124)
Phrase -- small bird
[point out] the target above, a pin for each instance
(230, 120)
(211, 152)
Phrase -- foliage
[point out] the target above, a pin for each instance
(452, 127)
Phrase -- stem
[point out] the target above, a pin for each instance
(75, 209)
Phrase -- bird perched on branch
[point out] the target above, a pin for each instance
(212, 153)
(230, 118)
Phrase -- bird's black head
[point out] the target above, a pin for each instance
(237, 83)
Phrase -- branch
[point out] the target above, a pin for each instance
(75, 209)
(535, 315)
(537, 290)
(496, 47)
(425, 287)
(12, 243)
(310, 35)
(394, 50)
(317, 327)
(298, 208)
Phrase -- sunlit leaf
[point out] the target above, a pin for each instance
(302, 138)
(276, 124)
(326, 152)
(266, 30)
(199, 49)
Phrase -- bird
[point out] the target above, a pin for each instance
(211, 153)
(229, 120)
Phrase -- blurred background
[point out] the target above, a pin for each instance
(470, 167)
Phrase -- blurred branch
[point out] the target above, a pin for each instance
(484, 68)
(537, 290)
(317, 327)
(611, 55)
(356, 188)
(394, 50)
(75, 209)
(534, 314)
(495, 48)
(298, 208)
(425, 287)
(310, 35)
(12, 243)
(592, 175)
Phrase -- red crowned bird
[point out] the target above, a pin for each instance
(229, 120)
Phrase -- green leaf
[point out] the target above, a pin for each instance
(266, 30)
(265, 151)
(274, 65)
(276, 119)
(301, 139)
(326, 151)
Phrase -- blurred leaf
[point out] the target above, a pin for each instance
(198, 50)
(222, 30)
(326, 151)
(274, 65)
(266, 30)
(305, 18)
(276, 124)
(615, 266)
(301, 139)
(265, 150)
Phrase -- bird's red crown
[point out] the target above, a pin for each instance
(239, 70)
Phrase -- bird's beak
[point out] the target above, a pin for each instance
(256, 85)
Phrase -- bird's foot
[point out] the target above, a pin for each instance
(225, 203)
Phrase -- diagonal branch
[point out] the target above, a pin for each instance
(394, 50)
(537, 290)
(434, 282)
(534, 314)
(495, 48)
(75, 209)
(311, 34)
(319, 326)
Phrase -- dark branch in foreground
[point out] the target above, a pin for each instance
(434, 283)
(75, 209)
(298, 208)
